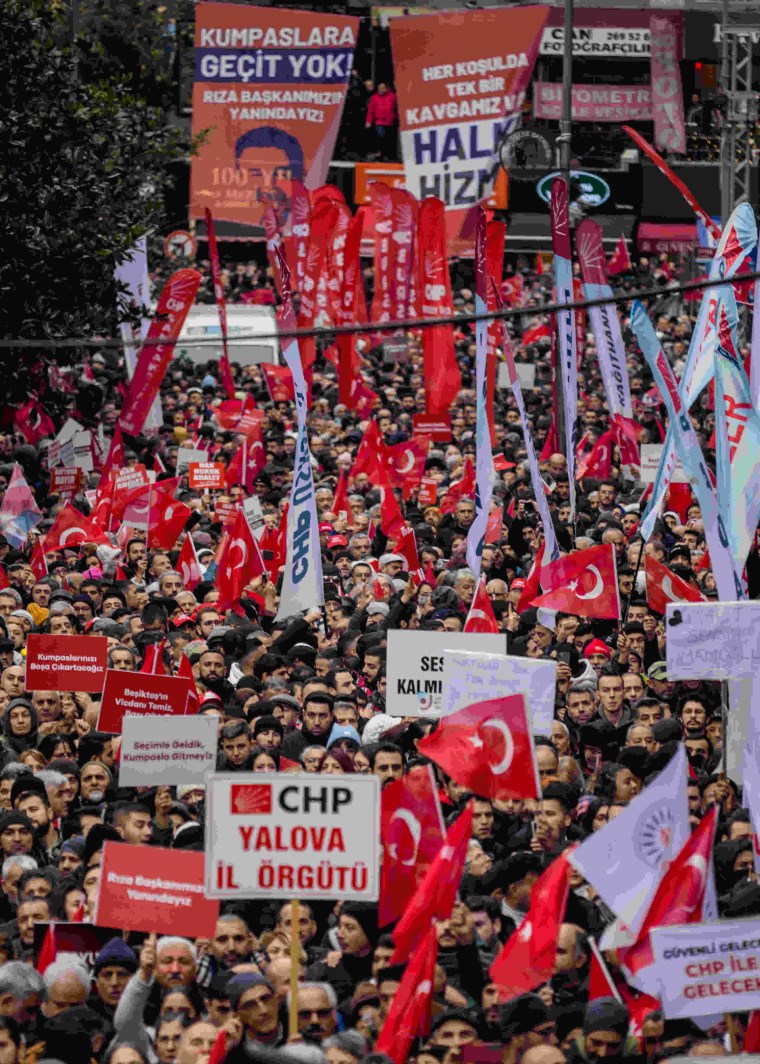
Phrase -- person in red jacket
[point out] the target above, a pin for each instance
(382, 119)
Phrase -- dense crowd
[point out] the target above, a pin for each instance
(311, 689)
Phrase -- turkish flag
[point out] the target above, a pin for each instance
(239, 563)
(639, 1006)
(167, 518)
(752, 1037)
(244, 467)
(600, 982)
(664, 587)
(370, 454)
(679, 898)
(481, 616)
(411, 833)
(185, 670)
(626, 434)
(33, 423)
(273, 546)
(493, 526)
(409, 1014)
(70, 529)
(154, 659)
(362, 399)
(406, 546)
(532, 582)
(188, 565)
(391, 519)
(406, 464)
(434, 898)
(583, 583)
(37, 561)
(487, 747)
(48, 950)
(598, 462)
(341, 504)
(527, 959)
(462, 489)
(115, 457)
(620, 260)
(279, 382)
(218, 1049)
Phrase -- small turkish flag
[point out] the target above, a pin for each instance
(70, 529)
(406, 463)
(412, 833)
(664, 587)
(37, 561)
(583, 583)
(527, 959)
(481, 616)
(188, 565)
(536, 334)
(408, 1015)
(462, 489)
(193, 701)
(487, 747)
(620, 260)
(406, 546)
(239, 563)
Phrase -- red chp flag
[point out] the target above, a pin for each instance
(382, 208)
(279, 382)
(679, 900)
(527, 959)
(487, 747)
(409, 1013)
(404, 227)
(70, 529)
(225, 370)
(663, 587)
(323, 220)
(411, 833)
(348, 305)
(583, 583)
(239, 563)
(391, 519)
(37, 561)
(174, 304)
(442, 376)
(436, 894)
(406, 546)
(481, 616)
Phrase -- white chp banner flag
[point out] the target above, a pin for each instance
(626, 859)
(302, 586)
(133, 274)
(484, 469)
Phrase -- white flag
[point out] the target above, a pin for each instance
(626, 859)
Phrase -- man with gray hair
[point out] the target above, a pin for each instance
(317, 1006)
(67, 982)
(22, 992)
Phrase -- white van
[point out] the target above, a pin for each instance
(242, 320)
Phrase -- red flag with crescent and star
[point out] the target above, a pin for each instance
(409, 1014)
(481, 616)
(238, 565)
(405, 463)
(70, 529)
(487, 747)
(664, 586)
(583, 583)
(411, 833)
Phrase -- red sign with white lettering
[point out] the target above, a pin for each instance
(65, 662)
(142, 693)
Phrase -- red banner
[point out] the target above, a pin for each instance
(65, 662)
(151, 888)
(300, 228)
(496, 237)
(66, 480)
(225, 372)
(206, 476)
(143, 694)
(667, 93)
(404, 223)
(442, 377)
(382, 208)
(462, 78)
(268, 95)
(177, 297)
(336, 260)
(323, 220)
(347, 310)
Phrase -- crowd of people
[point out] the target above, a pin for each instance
(311, 689)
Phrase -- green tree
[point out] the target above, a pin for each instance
(83, 168)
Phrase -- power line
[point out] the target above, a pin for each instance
(330, 332)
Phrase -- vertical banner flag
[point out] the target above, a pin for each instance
(225, 371)
(132, 273)
(174, 303)
(737, 437)
(461, 79)
(605, 324)
(405, 209)
(496, 237)
(667, 97)
(552, 547)
(726, 577)
(382, 208)
(300, 231)
(323, 220)
(19, 512)
(442, 376)
(302, 586)
(754, 362)
(734, 246)
(568, 357)
(269, 90)
(347, 310)
(484, 470)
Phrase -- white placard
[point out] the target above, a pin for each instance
(173, 750)
(415, 667)
(186, 455)
(708, 968)
(712, 640)
(650, 463)
(526, 375)
(254, 516)
(295, 835)
(469, 678)
(69, 430)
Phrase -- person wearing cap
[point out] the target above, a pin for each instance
(524, 1024)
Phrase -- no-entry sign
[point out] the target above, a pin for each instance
(296, 836)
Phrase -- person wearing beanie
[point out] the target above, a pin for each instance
(605, 1034)
(114, 965)
(16, 834)
(523, 1023)
(256, 1004)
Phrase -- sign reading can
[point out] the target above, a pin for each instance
(292, 836)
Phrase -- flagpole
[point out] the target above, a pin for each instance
(295, 949)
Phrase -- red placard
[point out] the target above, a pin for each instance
(437, 426)
(151, 888)
(142, 693)
(66, 480)
(428, 493)
(130, 478)
(226, 512)
(65, 662)
(206, 476)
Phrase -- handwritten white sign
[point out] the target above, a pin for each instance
(469, 678)
(712, 640)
